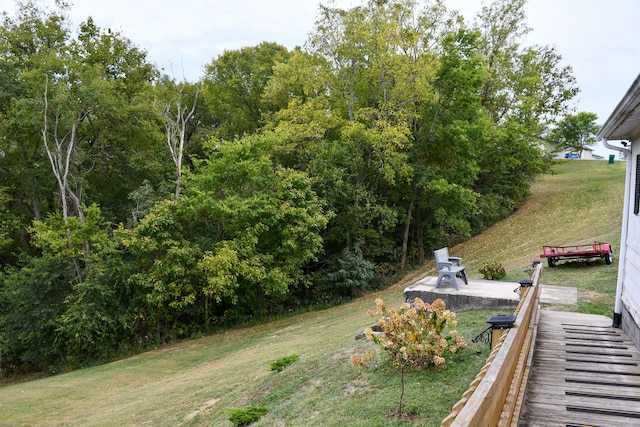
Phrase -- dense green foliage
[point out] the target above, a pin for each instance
(246, 416)
(575, 132)
(492, 270)
(323, 389)
(136, 209)
(281, 363)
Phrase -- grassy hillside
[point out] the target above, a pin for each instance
(195, 382)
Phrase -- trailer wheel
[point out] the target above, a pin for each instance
(552, 262)
(608, 257)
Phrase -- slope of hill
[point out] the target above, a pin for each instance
(195, 382)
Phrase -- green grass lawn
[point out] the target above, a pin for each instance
(194, 383)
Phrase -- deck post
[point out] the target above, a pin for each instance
(500, 322)
(524, 287)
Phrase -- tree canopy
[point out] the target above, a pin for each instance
(575, 132)
(137, 209)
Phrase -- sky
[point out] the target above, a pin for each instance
(597, 38)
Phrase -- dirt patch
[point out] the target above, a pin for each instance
(593, 295)
(312, 385)
(402, 416)
(357, 386)
(206, 407)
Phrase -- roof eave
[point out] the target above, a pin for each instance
(624, 122)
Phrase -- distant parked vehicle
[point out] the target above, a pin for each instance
(571, 156)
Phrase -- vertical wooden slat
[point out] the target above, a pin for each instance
(500, 386)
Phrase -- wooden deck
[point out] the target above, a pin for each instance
(584, 373)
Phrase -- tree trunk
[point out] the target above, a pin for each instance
(401, 391)
(35, 203)
(206, 312)
(176, 125)
(420, 235)
(405, 239)
(59, 153)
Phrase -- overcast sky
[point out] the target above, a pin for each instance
(597, 38)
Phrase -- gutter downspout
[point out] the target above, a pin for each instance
(617, 311)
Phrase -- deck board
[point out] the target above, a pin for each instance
(584, 373)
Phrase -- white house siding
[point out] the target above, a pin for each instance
(630, 297)
(633, 233)
(623, 126)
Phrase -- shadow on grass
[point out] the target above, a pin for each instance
(578, 264)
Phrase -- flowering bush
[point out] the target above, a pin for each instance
(492, 270)
(415, 337)
(419, 337)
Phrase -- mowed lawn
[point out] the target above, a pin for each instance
(195, 382)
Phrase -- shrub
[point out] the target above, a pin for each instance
(350, 271)
(421, 336)
(283, 362)
(492, 270)
(247, 415)
(417, 337)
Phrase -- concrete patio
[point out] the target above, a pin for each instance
(481, 294)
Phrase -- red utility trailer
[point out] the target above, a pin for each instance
(595, 250)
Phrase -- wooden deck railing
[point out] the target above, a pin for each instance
(495, 396)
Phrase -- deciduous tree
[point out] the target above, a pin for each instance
(234, 85)
(575, 132)
(526, 89)
(177, 111)
(236, 239)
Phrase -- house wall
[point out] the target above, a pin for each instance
(586, 155)
(631, 280)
